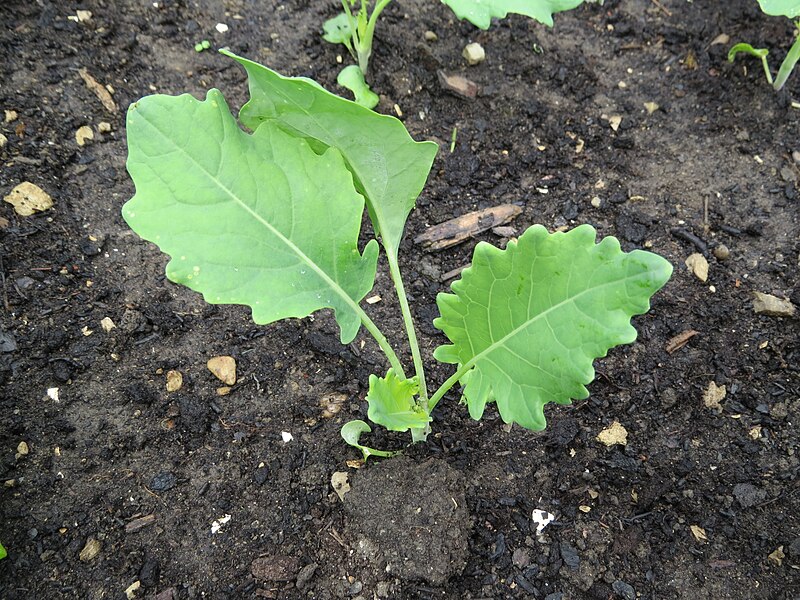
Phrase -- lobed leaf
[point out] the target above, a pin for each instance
(481, 12)
(259, 219)
(528, 321)
(778, 8)
(392, 404)
(388, 166)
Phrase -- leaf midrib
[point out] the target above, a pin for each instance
(376, 206)
(497, 344)
(291, 245)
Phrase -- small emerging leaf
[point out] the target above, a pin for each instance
(746, 49)
(778, 8)
(352, 78)
(337, 30)
(391, 403)
(530, 320)
(3, 552)
(259, 219)
(351, 432)
(481, 12)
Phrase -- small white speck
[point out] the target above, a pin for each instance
(286, 436)
(52, 393)
(542, 518)
(221, 27)
(217, 524)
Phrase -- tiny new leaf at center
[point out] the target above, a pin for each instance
(392, 404)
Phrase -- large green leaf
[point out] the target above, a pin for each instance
(389, 167)
(777, 8)
(528, 321)
(256, 219)
(392, 404)
(481, 12)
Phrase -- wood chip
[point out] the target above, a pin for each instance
(699, 533)
(101, 92)
(680, 340)
(28, 198)
(613, 434)
(772, 306)
(223, 368)
(459, 85)
(140, 523)
(339, 484)
(174, 381)
(713, 396)
(83, 135)
(452, 274)
(698, 265)
(90, 550)
(776, 558)
(462, 228)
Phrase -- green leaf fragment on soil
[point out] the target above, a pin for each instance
(747, 49)
(531, 319)
(352, 78)
(481, 12)
(337, 29)
(260, 220)
(392, 404)
(351, 432)
(388, 166)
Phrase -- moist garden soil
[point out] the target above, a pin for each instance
(120, 481)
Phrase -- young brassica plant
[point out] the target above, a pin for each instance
(776, 8)
(271, 219)
(354, 28)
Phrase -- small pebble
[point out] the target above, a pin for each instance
(474, 53)
(3, 140)
(624, 590)
(430, 36)
(722, 252)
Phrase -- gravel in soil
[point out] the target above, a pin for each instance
(626, 116)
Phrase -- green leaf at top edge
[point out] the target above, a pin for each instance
(351, 433)
(392, 404)
(781, 8)
(481, 12)
(389, 167)
(260, 220)
(352, 78)
(530, 320)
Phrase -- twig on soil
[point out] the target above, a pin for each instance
(688, 236)
(661, 7)
(3, 279)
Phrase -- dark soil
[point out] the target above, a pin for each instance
(700, 504)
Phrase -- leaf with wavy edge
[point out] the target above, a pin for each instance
(530, 320)
(392, 404)
(481, 12)
(259, 219)
(389, 167)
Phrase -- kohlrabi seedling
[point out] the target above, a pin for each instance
(778, 8)
(271, 219)
(355, 29)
